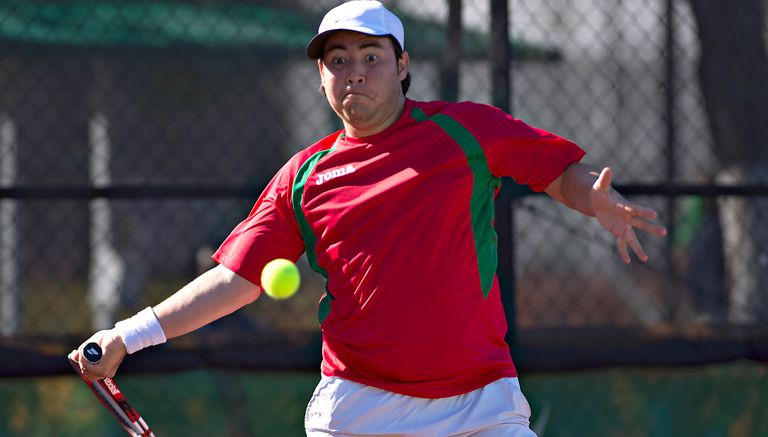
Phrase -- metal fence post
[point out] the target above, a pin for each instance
(106, 265)
(501, 90)
(10, 287)
(449, 87)
(670, 140)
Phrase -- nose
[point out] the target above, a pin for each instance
(356, 74)
(355, 78)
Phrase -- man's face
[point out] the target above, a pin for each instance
(361, 78)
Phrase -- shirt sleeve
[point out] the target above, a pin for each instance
(529, 155)
(269, 232)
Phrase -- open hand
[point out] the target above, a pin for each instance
(620, 216)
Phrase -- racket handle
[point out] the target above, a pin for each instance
(92, 352)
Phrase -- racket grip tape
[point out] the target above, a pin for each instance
(92, 352)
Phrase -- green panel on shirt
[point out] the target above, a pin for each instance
(483, 189)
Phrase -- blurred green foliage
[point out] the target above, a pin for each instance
(720, 400)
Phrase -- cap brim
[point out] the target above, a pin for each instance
(317, 44)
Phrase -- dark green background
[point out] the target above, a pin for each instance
(718, 400)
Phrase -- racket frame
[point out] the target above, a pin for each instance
(114, 401)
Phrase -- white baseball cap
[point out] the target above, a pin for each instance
(365, 16)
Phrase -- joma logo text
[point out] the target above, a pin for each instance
(332, 174)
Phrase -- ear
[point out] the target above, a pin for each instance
(403, 64)
(320, 67)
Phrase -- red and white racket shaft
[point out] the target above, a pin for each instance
(116, 395)
(112, 398)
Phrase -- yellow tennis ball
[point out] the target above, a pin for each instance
(280, 278)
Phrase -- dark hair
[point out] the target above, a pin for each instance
(405, 83)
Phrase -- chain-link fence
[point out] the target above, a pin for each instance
(135, 135)
(627, 88)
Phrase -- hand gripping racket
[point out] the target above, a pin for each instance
(111, 396)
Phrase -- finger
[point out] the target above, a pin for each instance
(640, 211)
(92, 371)
(634, 243)
(94, 374)
(88, 372)
(74, 356)
(603, 182)
(651, 228)
(621, 244)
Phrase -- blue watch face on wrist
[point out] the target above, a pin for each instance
(92, 352)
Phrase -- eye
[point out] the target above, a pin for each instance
(338, 61)
(371, 57)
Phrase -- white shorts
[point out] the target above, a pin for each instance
(340, 407)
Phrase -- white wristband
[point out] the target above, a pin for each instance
(141, 331)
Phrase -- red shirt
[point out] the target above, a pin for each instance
(400, 225)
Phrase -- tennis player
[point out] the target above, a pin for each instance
(395, 210)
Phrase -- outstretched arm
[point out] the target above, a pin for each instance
(212, 295)
(582, 188)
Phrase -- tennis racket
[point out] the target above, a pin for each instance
(111, 397)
